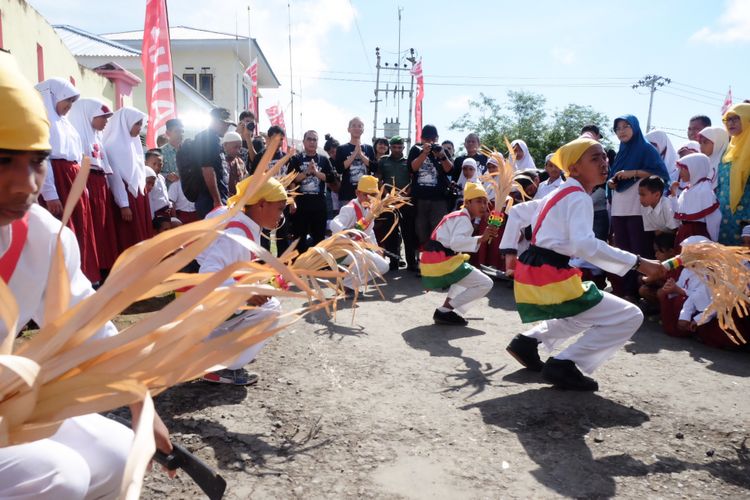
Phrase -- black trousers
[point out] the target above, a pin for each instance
(309, 221)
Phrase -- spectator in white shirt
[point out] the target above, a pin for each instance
(656, 209)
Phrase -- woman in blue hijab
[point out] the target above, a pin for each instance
(635, 160)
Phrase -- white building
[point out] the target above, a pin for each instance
(211, 62)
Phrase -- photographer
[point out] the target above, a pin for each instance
(246, 129)
(430, 168)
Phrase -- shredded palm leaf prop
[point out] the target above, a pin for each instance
(64, 371)
(724, 270)
(502, 181)
(384, 202)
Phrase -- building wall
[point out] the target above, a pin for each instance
(23, 29)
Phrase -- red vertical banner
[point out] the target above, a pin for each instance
(727, 102)
(416, 70)
(250, 78)
(156, 58)
(276, 117)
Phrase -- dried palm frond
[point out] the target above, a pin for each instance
(502, 181)
(724, 270)
(384, 202)
(511, 151)
(64, 370)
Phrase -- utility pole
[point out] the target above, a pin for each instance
(398, 92)
(291, 75)
(651, 82)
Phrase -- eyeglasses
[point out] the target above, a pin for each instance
(311, 139)
(731, 119)
(622, 127)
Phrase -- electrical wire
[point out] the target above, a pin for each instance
(361, 39)
(688, 98)
(698, 88)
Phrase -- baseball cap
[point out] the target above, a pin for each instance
(396, 139)
(222, 115)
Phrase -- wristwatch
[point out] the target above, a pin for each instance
(637, 263)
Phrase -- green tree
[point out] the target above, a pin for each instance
(524, 116)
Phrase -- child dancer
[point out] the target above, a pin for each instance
(548, 289)
(353, 215)
(443, 265)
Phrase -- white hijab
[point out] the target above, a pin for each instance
(720, 138)
(462, 179)
(125, 153)
(666, 150)
(63, 137)
(81, 115)
(700, 195)
(527, 161)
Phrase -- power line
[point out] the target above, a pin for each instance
(488, 77)
(690, 98)
(361, 39)
(698, 94)
(698, 88)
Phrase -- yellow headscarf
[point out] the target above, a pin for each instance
(23, 125)
(474, 190)
(738, 154)
(571, 152)
(272, 190)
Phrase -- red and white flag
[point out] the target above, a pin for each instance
(416, 71)
(727, 102)
(250, 78)
(276, 117)
(156, 58)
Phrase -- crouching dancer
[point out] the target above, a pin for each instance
(443, 267)
(547, 288)
(263, 210)
(86, 457)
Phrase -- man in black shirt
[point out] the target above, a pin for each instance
(430, 170)
(471, 144)
(315, 172)
(353, 160)
(213, 163)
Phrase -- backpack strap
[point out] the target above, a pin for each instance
(559, 195)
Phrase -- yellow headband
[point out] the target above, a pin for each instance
(571, 152)
(272, 190)
(474, 190)
(24, 125)
(368, 184)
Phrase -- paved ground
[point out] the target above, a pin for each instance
(391, 406)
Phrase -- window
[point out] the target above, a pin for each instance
(207, 85)
(191, 79)
(39, 63)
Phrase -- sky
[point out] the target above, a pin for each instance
(570, 52)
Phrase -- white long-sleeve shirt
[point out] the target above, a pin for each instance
(660, 217)
(28, 283)
(347, 219)
(567, 230)
(698, 297)
(455, 232)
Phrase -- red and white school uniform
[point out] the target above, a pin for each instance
(228, 249)
(125, 155)
(184, 208)
(86, 457)
(347, 218)
(64, 161)
(697, 207)
(99, 183)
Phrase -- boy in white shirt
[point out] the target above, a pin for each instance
(656, 209)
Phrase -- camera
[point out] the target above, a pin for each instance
(436, 148)
(250, 126)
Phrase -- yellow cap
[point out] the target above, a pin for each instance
(272, 190)
(474, 190)
(24, 125)
(368, 184)
(571, 152)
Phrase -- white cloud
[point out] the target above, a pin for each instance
(732, 26)
(563, 55)
(458, 103)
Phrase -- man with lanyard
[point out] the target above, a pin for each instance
(282, 232)
(393, 172)
(314, 172)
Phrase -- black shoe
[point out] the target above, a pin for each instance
(524, 349)
(412, 268)
(563, 374)
(448, 318)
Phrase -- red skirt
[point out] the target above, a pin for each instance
(103, 219)
(489, 251)
(140, 227)
(690, 228)
(187, 217)
(80, 221)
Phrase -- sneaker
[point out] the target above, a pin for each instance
(563, 374)
(234, 377)
(448, 318)
(525, 350)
